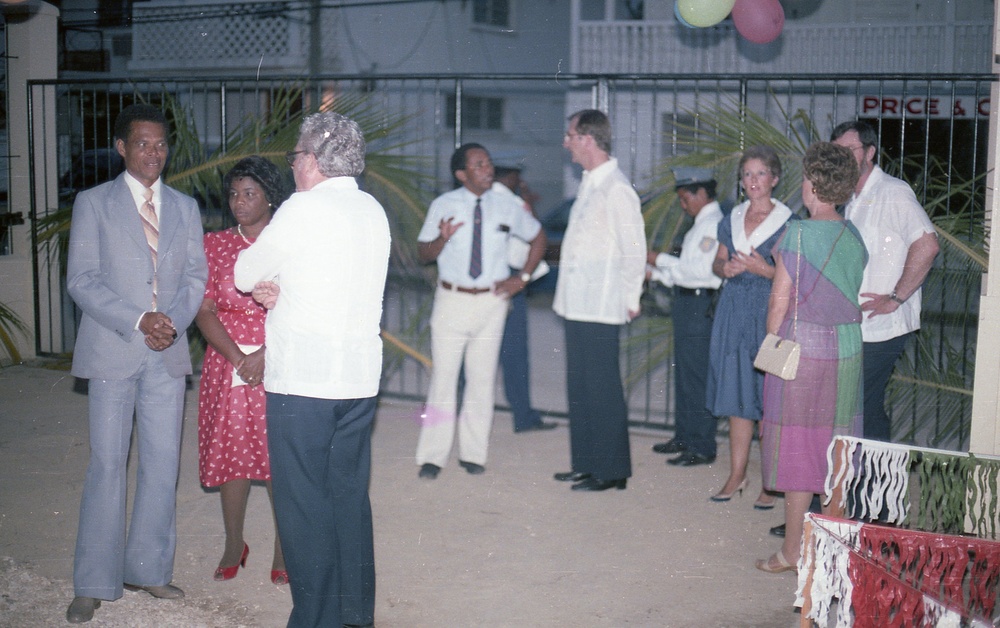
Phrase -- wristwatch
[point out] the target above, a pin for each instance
(893, 297)
(526, 277)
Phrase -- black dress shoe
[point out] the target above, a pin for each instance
(541, 426)
(472, 467)
(428, 471)
(691, 459)
(672, 446)
(571, 476)
(594, 484)
(81, 609)
(164, 592)
(778, 530)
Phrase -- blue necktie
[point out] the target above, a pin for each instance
(476, 263)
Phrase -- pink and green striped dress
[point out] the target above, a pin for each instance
(802, 416)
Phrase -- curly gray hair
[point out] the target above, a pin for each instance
(337, 143)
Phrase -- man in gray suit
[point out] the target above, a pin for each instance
(137, 271)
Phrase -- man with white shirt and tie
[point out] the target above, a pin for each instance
(695, 288)
(137, 271)
(466, 232)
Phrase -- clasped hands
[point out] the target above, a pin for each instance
(158, 329)
(752, 262)
(250, 367)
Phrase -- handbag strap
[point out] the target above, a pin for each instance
(798, 267)
(798, 271)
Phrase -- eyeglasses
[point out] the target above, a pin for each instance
(290, 156)
(854, 148)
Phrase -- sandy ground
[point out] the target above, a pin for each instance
(511, 547)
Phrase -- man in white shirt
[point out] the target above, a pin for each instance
(466, 232)
(695, 290)
(902, 245)
(602, 267)
(328, 249)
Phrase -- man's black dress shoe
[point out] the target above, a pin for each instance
(690, 459)
(593, 484)
(672, 446)
(429, 471)
(81, 609)
(571, 476)
(164, 592)
(541, 426)
(472, 467)
(778, 530)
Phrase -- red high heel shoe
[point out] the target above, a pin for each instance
(228, 573)
(279, 576)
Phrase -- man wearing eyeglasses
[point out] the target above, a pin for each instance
(602, 267)
(328, 247)
(902, 245)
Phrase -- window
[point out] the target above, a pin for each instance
(477, 113)
(491, 12)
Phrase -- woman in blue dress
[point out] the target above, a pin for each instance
(745, 263)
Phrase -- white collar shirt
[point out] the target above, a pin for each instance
(693, 267)
(328, 249)
(138, 193)
(602, 262)
(503, 216)
(890, 220)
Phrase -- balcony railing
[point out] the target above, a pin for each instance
(184, 36)
(668, 48)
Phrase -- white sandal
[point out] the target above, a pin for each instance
(783, 564)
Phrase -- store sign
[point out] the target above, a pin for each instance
(924, 106)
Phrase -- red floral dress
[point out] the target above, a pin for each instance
(232, 430)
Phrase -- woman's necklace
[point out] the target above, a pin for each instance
(239, 230)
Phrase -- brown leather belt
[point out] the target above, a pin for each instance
(448, 286)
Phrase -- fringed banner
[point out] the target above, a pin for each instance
(954, 492)
(875, 475)
(885, 576)
(984, 491)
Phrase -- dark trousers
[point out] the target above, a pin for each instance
(320, 453)
(695, 425)
(879, 361)
(514, 362)
(598, 416)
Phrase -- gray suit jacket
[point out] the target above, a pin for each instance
(110, 276)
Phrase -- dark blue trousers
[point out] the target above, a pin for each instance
(695, 425)
(879, 361)
(514, 362)
(320, 453)
(598, 416)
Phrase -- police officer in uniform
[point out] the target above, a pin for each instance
(695, 288)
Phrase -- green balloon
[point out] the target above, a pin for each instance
(704, 13)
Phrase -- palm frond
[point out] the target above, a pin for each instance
(11, 325)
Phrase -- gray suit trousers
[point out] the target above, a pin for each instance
(105, 558)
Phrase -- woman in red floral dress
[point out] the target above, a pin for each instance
(232, 429)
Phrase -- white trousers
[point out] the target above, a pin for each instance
(464, 327)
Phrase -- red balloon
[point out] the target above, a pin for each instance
(759, 21)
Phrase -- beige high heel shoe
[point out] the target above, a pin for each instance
(725, 497)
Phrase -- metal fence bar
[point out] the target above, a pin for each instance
(640, 105)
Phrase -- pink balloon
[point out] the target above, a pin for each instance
(759, 21)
